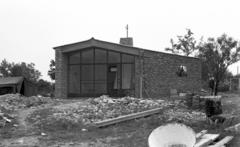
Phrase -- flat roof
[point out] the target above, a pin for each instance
(10, 80)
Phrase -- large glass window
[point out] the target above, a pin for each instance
(87, 73)
(113, 57)
(74, 58)
(74, 79)
(127, 58)
(87, 56)
(100, 87)
(126, 76)
(87, 87)
(98, 71)
(100, 56)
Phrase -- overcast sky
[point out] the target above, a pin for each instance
(29, 29)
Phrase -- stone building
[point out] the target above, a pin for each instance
(93, 67)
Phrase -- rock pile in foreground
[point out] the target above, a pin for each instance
(92, 110)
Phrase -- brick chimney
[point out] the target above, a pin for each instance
(126, 41)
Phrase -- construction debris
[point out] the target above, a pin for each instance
(234, 128)
(83, 112)
(4, 119)
(96, 109)
(13, 102)
(184, 115)
(206, 139)
(211, 140)
(222, 142)
(200, 134)
(104, 109)
(127, 117)
(43, 134)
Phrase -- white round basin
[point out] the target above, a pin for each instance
(172, 135)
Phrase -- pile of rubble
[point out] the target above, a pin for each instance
(96, 109)
(122, 106)
(184, 115)
(13, 102)
(5, 119)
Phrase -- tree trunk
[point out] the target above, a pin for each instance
(216, 87)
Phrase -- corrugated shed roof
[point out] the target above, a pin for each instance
(10, 80)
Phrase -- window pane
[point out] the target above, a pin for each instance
(87, 87)
(100, 87)
(87, 72)
(87, 56)
(182, 71)
(101, 72)
(74, 79)
(113, 57)
(126, 76)
(127, 58)
(74, 58)
(100, 56)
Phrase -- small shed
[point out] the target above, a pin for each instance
(17, 85)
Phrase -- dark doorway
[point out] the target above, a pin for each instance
(114, 80)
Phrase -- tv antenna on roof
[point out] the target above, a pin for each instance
(127, 30)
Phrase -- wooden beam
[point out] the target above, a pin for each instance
(127, 117)
(206, 140)
(211, 97)
(200, 134)
(222, 142)
(233, 128)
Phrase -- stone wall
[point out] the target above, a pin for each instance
(159, 74)
(61, 74)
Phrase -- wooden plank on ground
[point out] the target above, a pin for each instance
(232, 128)
(200, 134)
(211, 97)
(127, 117)
(222, 142)
(206, 140)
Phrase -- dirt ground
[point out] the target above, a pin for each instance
(231, 105)
(127, 134)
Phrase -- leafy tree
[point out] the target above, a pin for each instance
(5, 67)
(51, 72)
(186, 45)
(28, 71)
(217, 55)
(45, 88)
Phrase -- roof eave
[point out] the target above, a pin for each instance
(92, 42)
